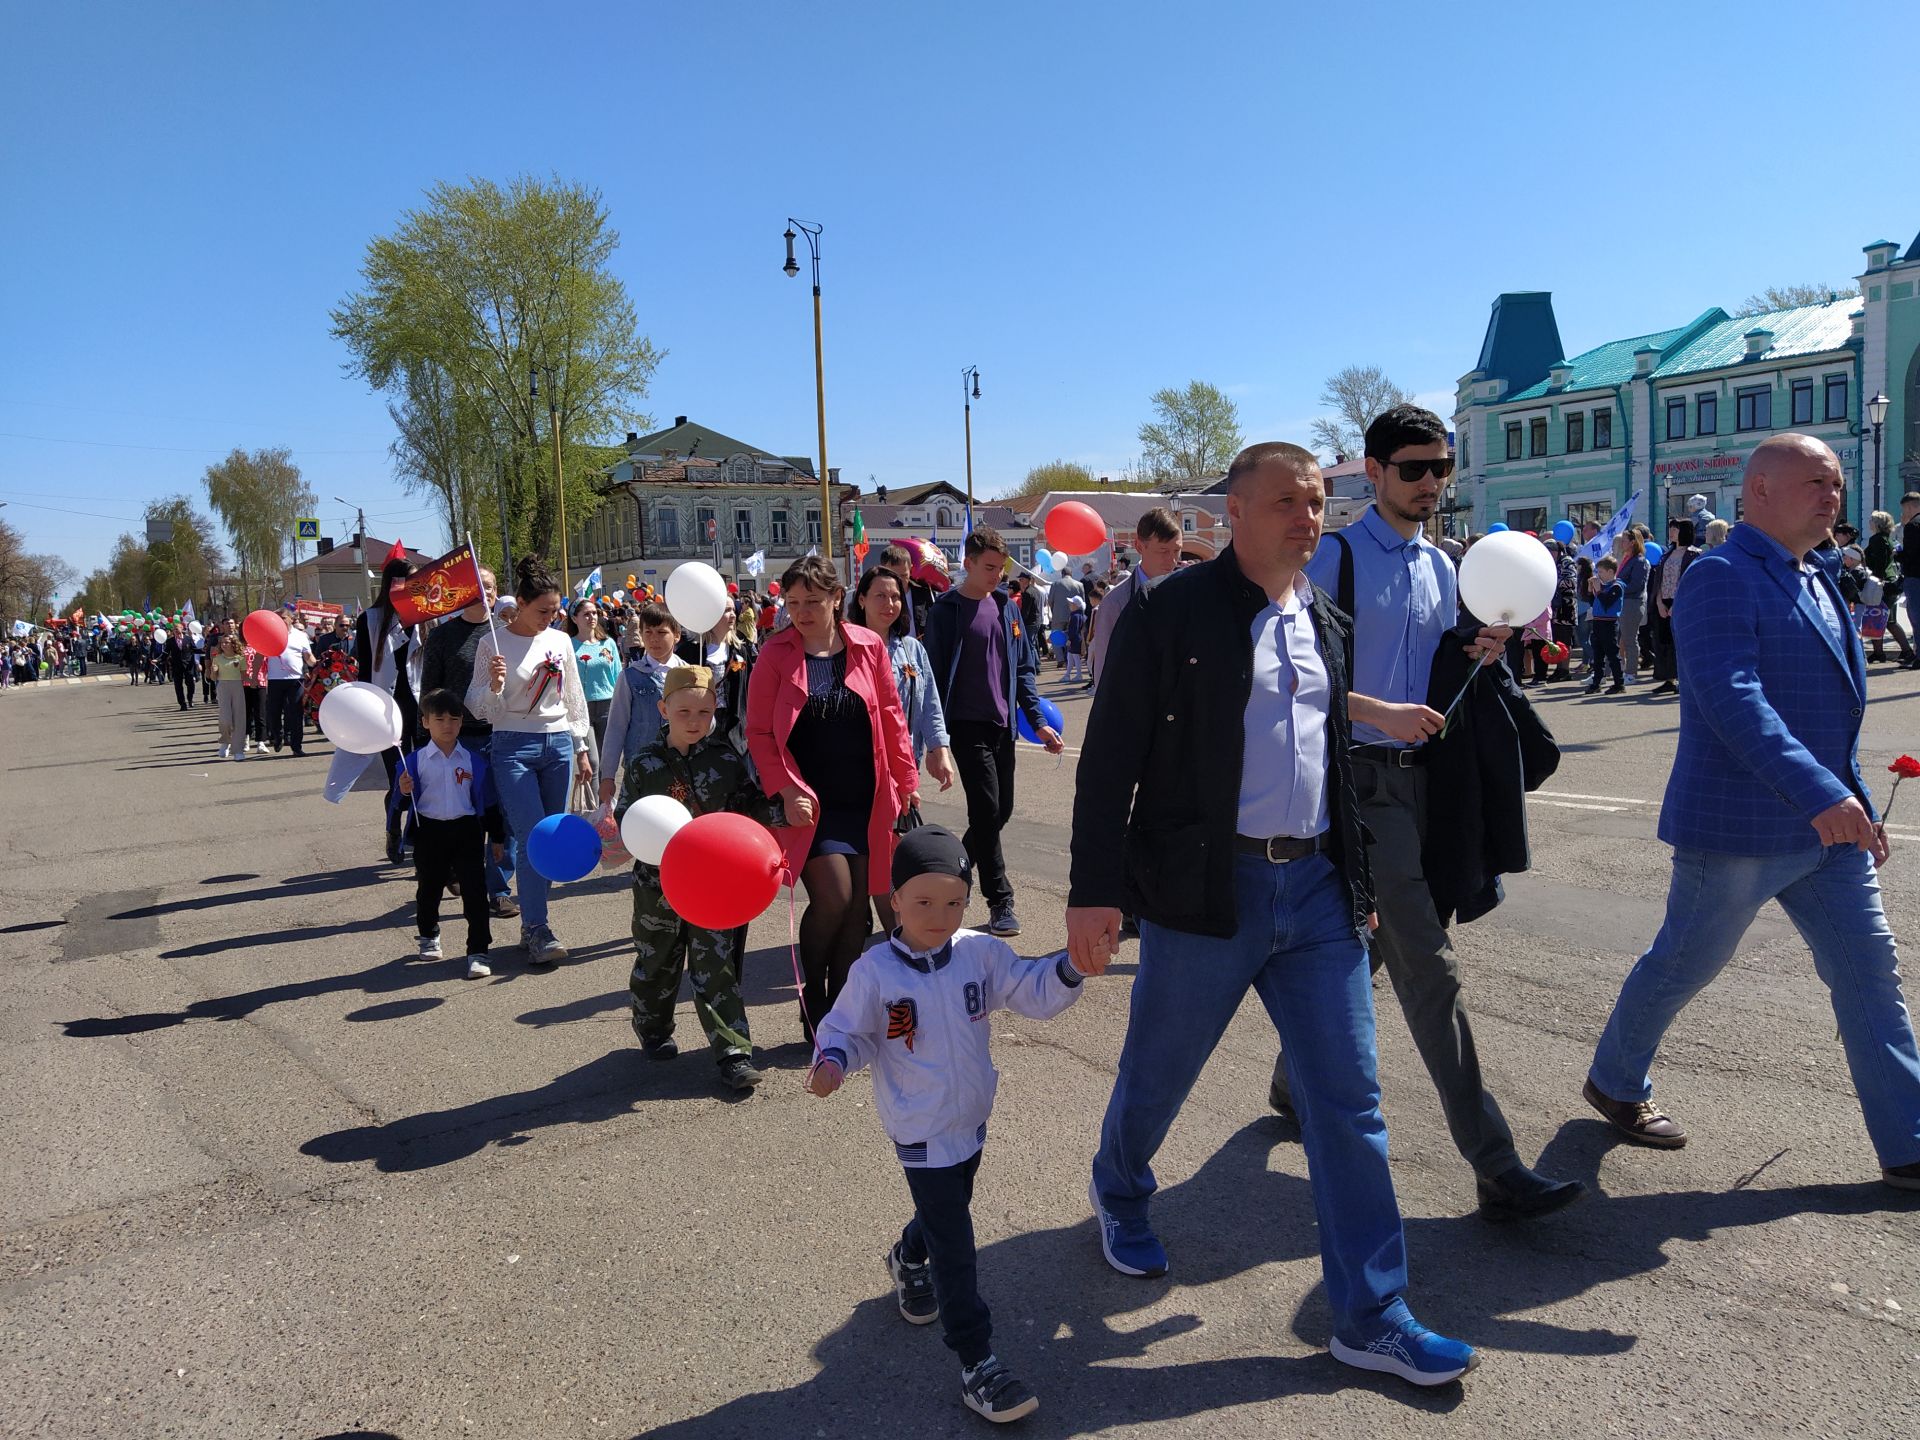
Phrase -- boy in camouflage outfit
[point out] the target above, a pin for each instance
(699, 769)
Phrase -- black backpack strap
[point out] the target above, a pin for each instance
(1343, 596)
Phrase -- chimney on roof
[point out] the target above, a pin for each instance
(679, 420)
(1558, 374)
(633, 438)
(880, 493)
(1644, 359)
(1759, 340)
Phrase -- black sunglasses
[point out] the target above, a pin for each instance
(1411, 471)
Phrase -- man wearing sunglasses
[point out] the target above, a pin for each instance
(1402, 593)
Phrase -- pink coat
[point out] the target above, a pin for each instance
(775, 696)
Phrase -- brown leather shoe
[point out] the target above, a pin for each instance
(1642, 1122)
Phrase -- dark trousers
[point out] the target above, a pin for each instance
(284, 719)
(983, 753)
(256, 726)
(1666, 659)
(446, 850)
(1418, 956)
(942, 1230)
(1606, 651)
(183, 688)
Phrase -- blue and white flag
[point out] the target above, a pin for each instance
(186, 611)
(756, 563)
(1602, 544)
(589, 585)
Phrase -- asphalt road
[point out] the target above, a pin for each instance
(262, 1174)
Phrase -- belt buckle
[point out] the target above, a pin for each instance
(1403, 758)
(1273, 859)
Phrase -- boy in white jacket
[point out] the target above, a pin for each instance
(915, 1008)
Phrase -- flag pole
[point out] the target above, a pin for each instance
(492, 633)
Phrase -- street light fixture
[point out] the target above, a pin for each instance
(969, 392)
(1876, 417)
(828, 520)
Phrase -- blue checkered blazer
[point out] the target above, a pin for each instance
(1770, 703)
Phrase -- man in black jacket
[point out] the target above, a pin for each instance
(1217, 746)
(1909, 558)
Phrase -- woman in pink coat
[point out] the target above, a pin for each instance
(826, 733)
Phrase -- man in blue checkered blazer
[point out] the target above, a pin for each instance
(1766, 802)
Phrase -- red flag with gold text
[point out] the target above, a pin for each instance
(449, 584)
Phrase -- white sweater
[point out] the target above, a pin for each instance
(562, 706)
(921, 1022)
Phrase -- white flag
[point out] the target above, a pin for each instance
(756, 563)
(1602, 544)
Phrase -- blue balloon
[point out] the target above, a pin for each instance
(1059, 639)
(563, 847)
(1496, 527)
(1049, 712)
(1564, 532)
(1654, 552)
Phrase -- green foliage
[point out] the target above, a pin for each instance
(477, 292)
(258, 496)
(28, 582)
(1195, 432)
(1785, 297)
(184, 567)
(1069, 475)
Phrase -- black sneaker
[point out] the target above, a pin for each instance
(1617, 688)
(660, 1049)
(990, 1389)
(1004, 923)
(736, 1072)
(913, 1288)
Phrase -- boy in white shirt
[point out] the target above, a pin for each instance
(447, 783)
(915, 1008)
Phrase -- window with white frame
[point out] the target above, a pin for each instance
(666, 527)
(779, 528)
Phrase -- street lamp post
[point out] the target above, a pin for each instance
(1876, 417)
(792, 267)
(559, 479)
(969, 392)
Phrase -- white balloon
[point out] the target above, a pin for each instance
(360, 719)
(1062, 562)
(650, 822)
(1507, 579)
(697, 597)
(159, 635)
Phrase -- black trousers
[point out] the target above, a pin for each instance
(256, 728)
(284, 719)
(1666, 659)
(446, 850)
(1606, 651)
(983, 753)
(942, 1231)
(183, 688)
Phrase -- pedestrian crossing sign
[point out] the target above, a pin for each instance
(306, 529)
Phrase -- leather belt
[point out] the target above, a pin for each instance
(1279, 849)
(1393, 757)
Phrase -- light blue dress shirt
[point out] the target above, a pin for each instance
(1809, 572)
(1405, 599)
(1283, 775)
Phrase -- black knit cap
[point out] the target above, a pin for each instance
(930, 850)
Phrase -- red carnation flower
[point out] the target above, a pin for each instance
(1906, 767)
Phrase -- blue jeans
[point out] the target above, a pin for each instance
(1583, 631)
(532, 772)
(1832, 895)
(1295, 945)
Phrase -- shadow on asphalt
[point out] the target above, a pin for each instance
(326, 882)
(1056, 1302)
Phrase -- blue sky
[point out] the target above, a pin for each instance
(1088, 201)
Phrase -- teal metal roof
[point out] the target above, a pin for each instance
(1602, 366)
(1802, 330)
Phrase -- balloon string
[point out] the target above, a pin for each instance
(1473, 673)
(799, 982)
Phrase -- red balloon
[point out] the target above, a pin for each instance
(773, 587)
(1075, 528)
(719, 871)
(265, 632)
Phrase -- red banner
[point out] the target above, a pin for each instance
(449, 584)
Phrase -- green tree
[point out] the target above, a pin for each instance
(492, 285)
(1068, 475)
(1355, 395)
(182, 568)
(1195, 432)
(1785, 297)
(258, 495)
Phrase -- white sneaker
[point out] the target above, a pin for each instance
(223, 752)
(477, 968)
(429, 947)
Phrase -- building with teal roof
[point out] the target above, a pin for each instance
(1673, 414)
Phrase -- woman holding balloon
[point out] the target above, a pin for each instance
(527, 686)
(388, 654)
(826, 731)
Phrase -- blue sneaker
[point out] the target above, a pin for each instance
(1408, 1349)
(1130, 1248)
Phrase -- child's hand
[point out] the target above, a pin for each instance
(406, 783)
(825, 1077)
(499, 854)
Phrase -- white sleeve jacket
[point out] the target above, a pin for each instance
(921, 1022)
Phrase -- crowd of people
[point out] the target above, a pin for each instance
(1303, 762)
